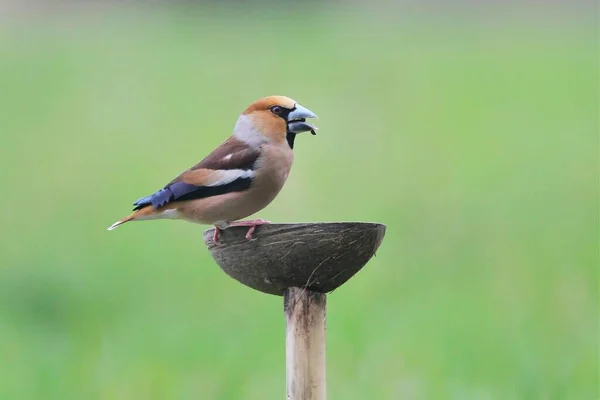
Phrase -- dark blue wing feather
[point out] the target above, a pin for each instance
(180, 191)
(233, 154)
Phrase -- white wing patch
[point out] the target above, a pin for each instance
(227, 157)
(229, 175)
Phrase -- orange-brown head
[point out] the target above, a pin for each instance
(273, 119)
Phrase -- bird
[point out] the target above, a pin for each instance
(237, 179)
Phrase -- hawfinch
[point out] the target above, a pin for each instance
(240, 177)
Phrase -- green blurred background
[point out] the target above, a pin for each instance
(470, 130)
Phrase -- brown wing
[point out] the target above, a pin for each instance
(212, 176)
(232, 154)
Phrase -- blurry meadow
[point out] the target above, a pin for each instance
(473, 135)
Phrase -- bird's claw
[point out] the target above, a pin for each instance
(255, 223)
(217, 235)
(250, 232)
(251, 224)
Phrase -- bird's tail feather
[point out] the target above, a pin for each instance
(120, 222)
(139, 214)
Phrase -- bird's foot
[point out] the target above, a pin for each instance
(252, 224)
(217, 235)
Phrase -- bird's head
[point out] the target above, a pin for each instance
(273, 119)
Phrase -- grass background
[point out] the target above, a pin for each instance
(472, 135)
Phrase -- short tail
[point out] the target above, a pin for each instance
(120, 222)
(143, 213)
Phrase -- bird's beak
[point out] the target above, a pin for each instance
(297, 120)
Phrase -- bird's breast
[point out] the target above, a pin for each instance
(272, 171)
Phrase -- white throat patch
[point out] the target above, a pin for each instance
(246, 131)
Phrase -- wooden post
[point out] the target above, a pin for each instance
(302, 262)
(305, 344)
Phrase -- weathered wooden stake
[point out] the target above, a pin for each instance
(305, 344)
(302, 262)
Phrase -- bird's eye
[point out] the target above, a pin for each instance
(276, 110)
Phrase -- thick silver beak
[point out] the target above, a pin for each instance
(297, 120)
